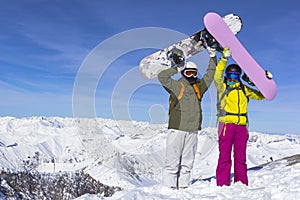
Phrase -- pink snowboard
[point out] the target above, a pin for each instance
(220, 31)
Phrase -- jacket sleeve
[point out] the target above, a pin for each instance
(218, 78)
(253, 94)
(208, 77)
(171, 85)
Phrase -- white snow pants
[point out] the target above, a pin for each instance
(180, 154)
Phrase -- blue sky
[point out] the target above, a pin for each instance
(46, 45)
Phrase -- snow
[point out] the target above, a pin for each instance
(130, 154)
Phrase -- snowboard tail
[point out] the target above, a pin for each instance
(151, 65)
(220, 31)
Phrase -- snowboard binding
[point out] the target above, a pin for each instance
(209, 41)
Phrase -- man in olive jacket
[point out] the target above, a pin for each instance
(185, 118)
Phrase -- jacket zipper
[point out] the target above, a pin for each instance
(238, 107)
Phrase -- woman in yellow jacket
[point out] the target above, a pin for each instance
(233, 99)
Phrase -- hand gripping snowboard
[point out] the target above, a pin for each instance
(220, 31)
(151, 65)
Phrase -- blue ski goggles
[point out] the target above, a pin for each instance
(233, 76)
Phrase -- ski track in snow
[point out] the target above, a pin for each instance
(130, 154)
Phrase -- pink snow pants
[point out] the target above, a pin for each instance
(236, 136)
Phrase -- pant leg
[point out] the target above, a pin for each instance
(226, 137)
(174, 147)
(187, 158)
(239, 150)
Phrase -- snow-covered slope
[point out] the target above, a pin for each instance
(130, 154)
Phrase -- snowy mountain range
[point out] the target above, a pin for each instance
(129, 155)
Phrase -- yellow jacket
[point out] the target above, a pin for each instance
(235, 103)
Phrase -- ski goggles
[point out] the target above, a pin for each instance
(233, 76)
(190, 73)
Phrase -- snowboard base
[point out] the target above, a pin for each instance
(220, 31)
(151, 65)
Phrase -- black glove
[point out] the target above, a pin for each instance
(247, 80)
(178, 59)
(177, 56)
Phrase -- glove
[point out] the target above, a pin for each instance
(226, 53)
(178, 59)
(177, 56)
(269, 75)
(211, 51)
(247, 79)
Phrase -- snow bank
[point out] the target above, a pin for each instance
(130, 154)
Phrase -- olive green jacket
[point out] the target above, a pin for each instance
(185, 111)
